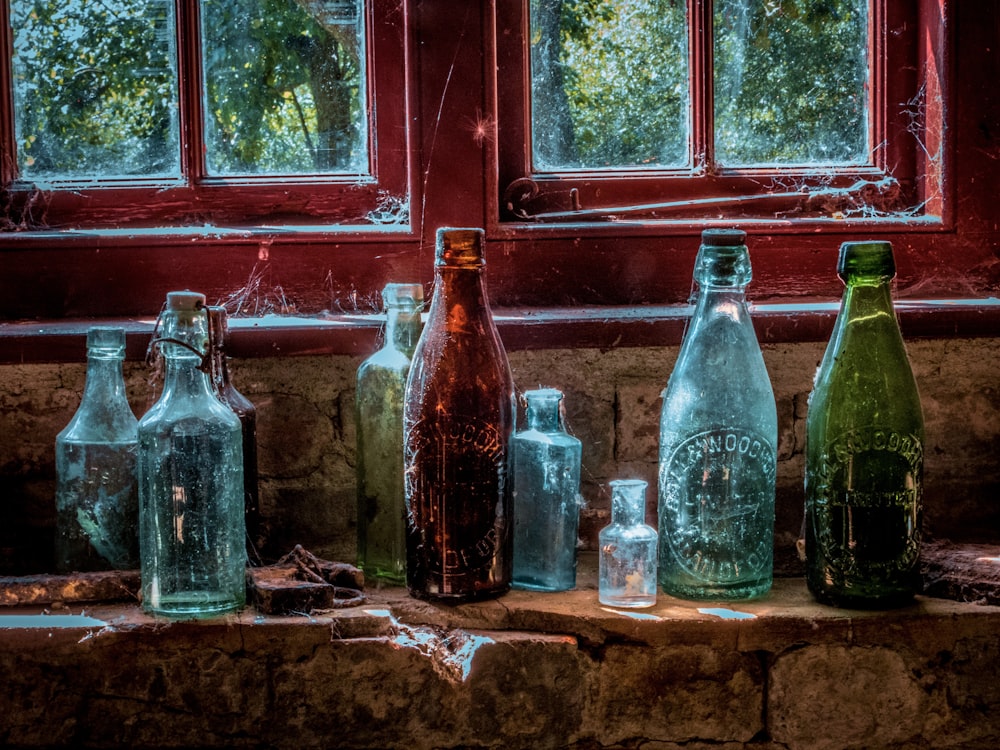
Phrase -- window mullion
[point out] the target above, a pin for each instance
(189, 82)
(702, 91)
(8, 150)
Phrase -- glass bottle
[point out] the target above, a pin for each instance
(381, 384)
(191, 527)
(864, 447)
(218, 331)
(458, 420)
(718, 432)
(628, 555)
(97, 502)
(546, 474)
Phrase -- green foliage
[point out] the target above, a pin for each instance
(96, 88)
(610, 82)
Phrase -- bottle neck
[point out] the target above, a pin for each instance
(628, 503)
(460, 299)
(868, 299)
(104, 377)
(183, 376)
(402, 328)
(543, 415)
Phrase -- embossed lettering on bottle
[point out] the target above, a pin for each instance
(868, 478)
(717, 529)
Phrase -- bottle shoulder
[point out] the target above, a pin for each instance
(556, 439)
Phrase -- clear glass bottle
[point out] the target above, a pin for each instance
(718, 432)
(218, 332)
(546, 474)
(381, 385)
(191, 528)
(628, 551)
(97, 501)
(864, 447)
(458, 421)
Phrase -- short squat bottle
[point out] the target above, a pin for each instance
(627, 549)
(381, 384)
(97, 503)
(546, 497)
(864, 447)
(218, 328)
(457, 423)
(718, 431)
(191, 523)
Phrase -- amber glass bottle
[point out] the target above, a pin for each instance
(458, 422)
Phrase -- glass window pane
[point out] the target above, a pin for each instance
(285, 89)
(790, 82)
(609, 84)
(95, 88)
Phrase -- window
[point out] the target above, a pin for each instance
(186, 112)
(664, 109)
(449, 98)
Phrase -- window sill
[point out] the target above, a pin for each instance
(551, 670)
(602, 328)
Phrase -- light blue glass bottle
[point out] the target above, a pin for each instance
(381, 386)
(97, 503)
(191, 522)
(546, 497)
(718, 431)
(627, 547)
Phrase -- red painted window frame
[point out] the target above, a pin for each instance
(457, 79)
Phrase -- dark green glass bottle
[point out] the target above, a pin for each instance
(864, 447)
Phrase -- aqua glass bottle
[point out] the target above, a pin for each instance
(718, 432)
(546, 474)
(627, 548)
(381, 385)
(864, 447)
(97, 502)
(191, 527)
(243, 408)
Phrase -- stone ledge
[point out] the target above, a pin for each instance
(527, 670)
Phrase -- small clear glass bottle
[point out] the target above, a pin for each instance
(191, 528)
(218, 330)
(97, 503)
(718, 432)
(546, 497)
(628, 550)
(381, 384)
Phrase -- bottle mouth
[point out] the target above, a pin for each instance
(460, 247)
(403, 295)
(105, 341)
(870, 259)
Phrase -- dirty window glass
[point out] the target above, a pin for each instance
(790, 82)
(611, 85)
(95, 88)
(284, 86)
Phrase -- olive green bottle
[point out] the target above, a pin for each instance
(864, 447)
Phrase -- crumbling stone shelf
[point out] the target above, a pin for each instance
(524, 671)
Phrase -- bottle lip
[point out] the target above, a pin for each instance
(403, 294)
(108, 340)
(872, 259)
(543, 394)
(459, 247)
(723, 237)
(185, 301)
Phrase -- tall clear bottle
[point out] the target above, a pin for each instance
(627, 559)
(191, 528)
(718, 432)
(97, 502)
(546, 474)
(218, 331)
(458, 422)
(864, 447)
(381, 386)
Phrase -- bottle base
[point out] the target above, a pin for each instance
(475, 596)
(533, 584)
(192, 605)
(894, 600)
(630, 602)
(718, 592)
